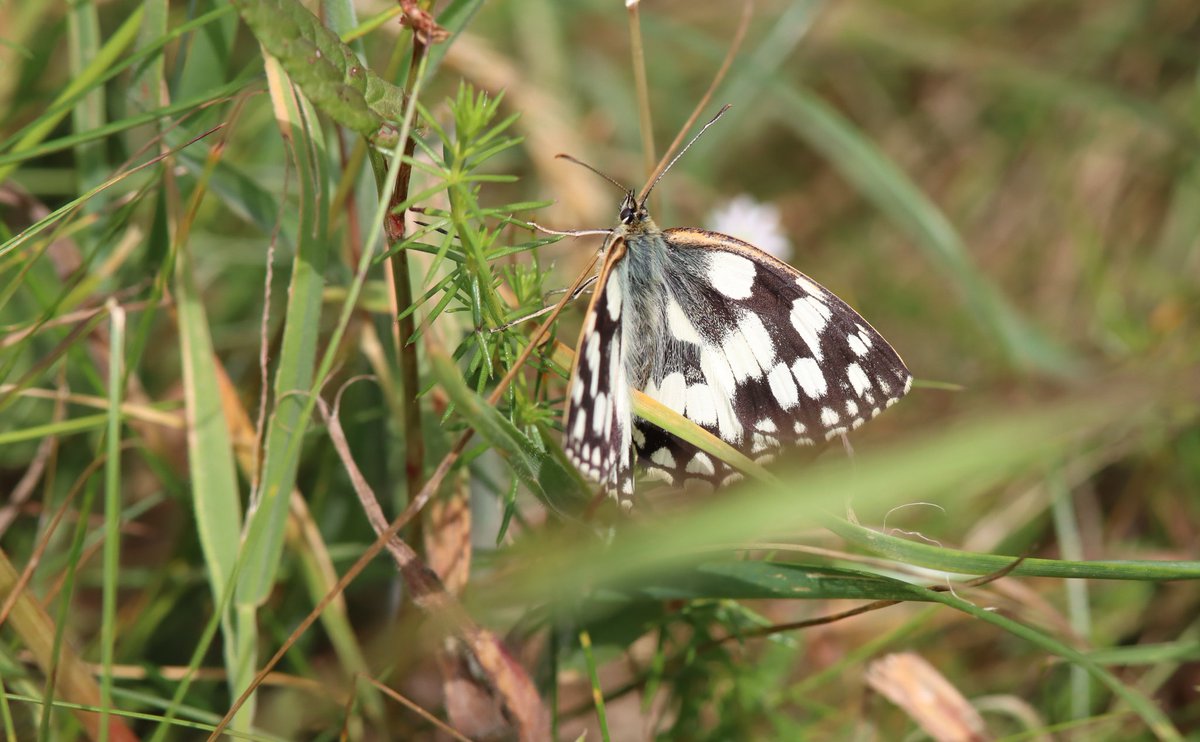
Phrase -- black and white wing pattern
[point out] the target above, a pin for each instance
(598, 419)
(758, 354)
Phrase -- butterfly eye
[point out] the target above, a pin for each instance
(629, 209)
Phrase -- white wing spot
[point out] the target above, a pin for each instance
(858, 378)
(731, 274)
(799, 428)
(613, 292)
(701, 407)
(701, 464)
(809, 323)
(595, 457)
(762, 442)
(828, 417)
(672, 392)
(858, 421)
(759, 340)
(783, 387)
(857, 345)
(592, 355)
(851, 407)
(907, 384)
(716, 369)
(809, 286)
(727, 423)
(661, 475)
(864, 336)
(740, 357)
(639, 437)
(766, 425)
(580, 424)
(663, 458)
(679, 325)
(577, 390)
(812, 380)
(599, 412)
(819, 307)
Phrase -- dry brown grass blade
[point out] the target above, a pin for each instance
(73, 680)
(914, 685)
(448, 538)
(470, 706)
(508, 680)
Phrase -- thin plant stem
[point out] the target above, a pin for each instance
(637, 48)
(401, 286)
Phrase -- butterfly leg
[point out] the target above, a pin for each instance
(545, 310)
(569, 232)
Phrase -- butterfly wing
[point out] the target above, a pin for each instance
(761, 356)
(598, 417)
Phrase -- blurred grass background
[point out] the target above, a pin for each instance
(1009, 192)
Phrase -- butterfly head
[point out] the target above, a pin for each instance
(632, 211)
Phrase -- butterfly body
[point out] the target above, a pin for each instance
(735, 340)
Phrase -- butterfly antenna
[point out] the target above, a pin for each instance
(738, 36)
(646, 193)
(607, 177)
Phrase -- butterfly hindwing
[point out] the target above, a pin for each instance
(598, 419)
(760, 355)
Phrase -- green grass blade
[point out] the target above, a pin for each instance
(1160, 726)
(954, 461)
(83, 31)
(294, 374)
(116, 46)
(215, 500)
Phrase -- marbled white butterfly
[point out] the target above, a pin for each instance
(737, 341)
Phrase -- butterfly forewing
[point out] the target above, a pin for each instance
(598, 420)
(758, 354)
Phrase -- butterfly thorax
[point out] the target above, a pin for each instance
(643, 275)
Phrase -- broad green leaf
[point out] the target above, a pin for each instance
(332, 77)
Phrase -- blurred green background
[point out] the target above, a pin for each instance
(1009, 192)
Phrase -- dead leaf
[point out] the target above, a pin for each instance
(914, 685)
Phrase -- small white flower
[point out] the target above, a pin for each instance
(753, 222)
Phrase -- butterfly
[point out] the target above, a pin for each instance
(734, 339)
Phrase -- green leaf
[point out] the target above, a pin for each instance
(759, 580)
(548, 476)
(331, 75)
